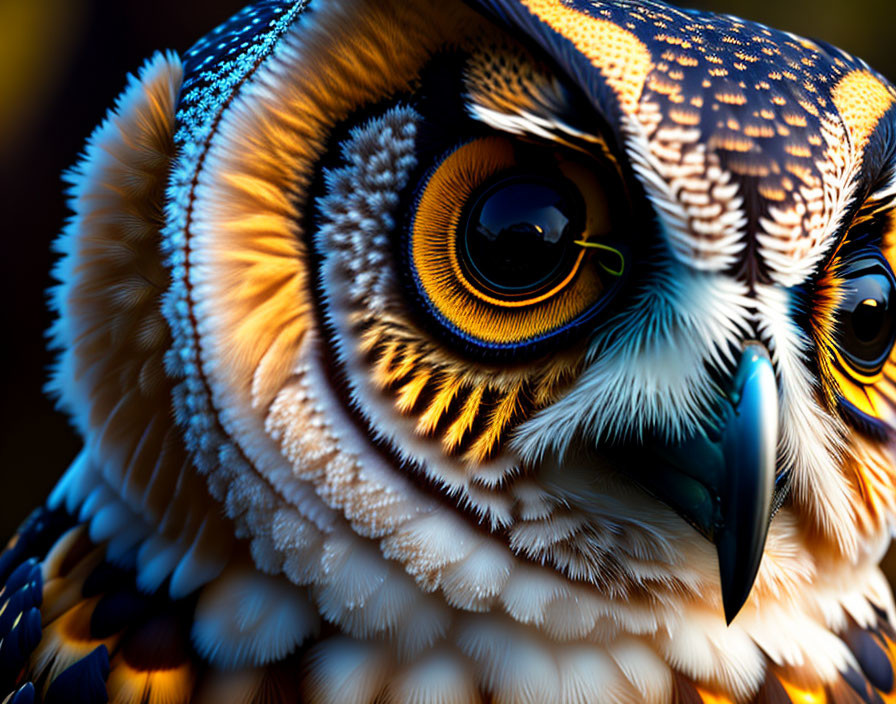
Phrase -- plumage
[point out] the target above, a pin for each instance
(494, 351)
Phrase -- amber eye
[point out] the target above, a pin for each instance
(519, 236)
(867, 324)
(510, 245)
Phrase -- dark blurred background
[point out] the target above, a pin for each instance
(63, 62)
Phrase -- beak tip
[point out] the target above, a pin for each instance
(734, 596)
(730, 614)
(732, 605)
(739, 562)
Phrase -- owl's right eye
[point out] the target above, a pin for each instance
(510, 245)
(867, 329)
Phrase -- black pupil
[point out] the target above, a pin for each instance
(869, 319)
(519, 236)
(868, 325)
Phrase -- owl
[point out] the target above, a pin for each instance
(498, 351)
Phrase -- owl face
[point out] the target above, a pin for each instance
(556, 319)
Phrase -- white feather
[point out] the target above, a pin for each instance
(343, 670)
(245, 619)
(440, 677)
(472, 583)
(529, 590)
(515, 668)
(704, 648)
(643, 667)
(588, 674)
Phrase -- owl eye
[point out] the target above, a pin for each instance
(509, 245)
(518, 239)
(867, 327)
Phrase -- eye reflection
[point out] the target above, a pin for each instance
(520, 234)
(868, 314)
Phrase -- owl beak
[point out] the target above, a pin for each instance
(722, 481)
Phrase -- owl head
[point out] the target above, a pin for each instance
(538, 339)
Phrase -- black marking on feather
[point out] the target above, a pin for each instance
(82, 683)
(34, 538)
(871, 653)
(22, 595)
(24, 694)
(861, 686)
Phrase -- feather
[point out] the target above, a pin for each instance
(528, 592)
(587, 673)
(244, 619)
(515, 666)
(84, 682)
(440, 677)
(472, 583)
(344, 670)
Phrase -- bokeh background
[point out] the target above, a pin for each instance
(62, 62)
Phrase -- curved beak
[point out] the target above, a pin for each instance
(722, 481)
